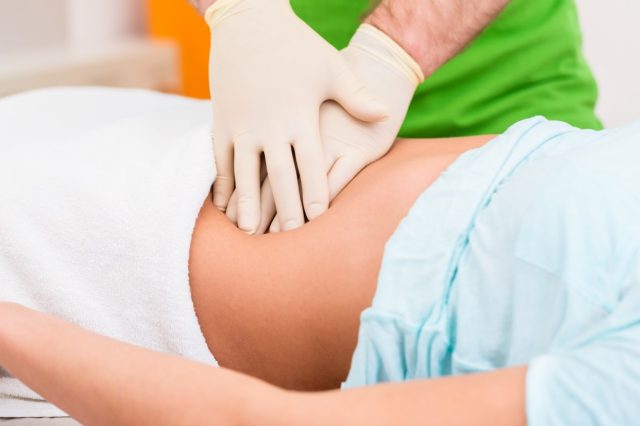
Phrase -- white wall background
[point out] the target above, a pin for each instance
(22, 28)
(39, 24)
(97, 21)
(612, 46)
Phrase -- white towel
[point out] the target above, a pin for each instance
(99, 193)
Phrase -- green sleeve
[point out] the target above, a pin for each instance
(528, 62)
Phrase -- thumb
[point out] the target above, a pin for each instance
(355, 97)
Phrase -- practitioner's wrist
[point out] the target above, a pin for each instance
(219, 10)
(379, 46)
(397, 23)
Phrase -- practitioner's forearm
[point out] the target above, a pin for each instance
(433, 31)
(101, 381)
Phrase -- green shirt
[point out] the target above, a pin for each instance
(527, 62)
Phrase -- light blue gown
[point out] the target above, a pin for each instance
(525, 251)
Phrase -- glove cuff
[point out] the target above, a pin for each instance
(376, 43)
(222, 9)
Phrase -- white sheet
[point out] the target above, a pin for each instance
(100, 190)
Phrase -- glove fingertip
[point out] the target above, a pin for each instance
(247, 225)
(314, 210)
(220, 200)
(275, 226)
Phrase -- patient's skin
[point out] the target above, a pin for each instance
(285, 307)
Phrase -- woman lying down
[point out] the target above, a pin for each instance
(508, 291)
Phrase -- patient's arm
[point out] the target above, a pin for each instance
(285, 307)
(100, 381)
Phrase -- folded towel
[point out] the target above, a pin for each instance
(100, 190)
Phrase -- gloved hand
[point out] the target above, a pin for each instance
(349, 144)
(270, 73)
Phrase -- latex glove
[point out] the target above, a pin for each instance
(392, 76)
(270, 73)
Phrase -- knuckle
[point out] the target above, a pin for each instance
(223, 184)
(315, 208)
(278, 172)
(317, 200)
(246, 202)
(221, 196)
(221, 148)
(249, 140)
(291, 224)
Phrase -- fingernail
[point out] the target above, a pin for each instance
(314, 210)
(246, 223)
(218, 201)
(290, 225)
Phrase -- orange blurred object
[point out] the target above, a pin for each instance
(178, 20)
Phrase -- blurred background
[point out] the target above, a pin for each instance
(163, 45)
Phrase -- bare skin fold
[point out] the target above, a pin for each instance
(291, 325)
